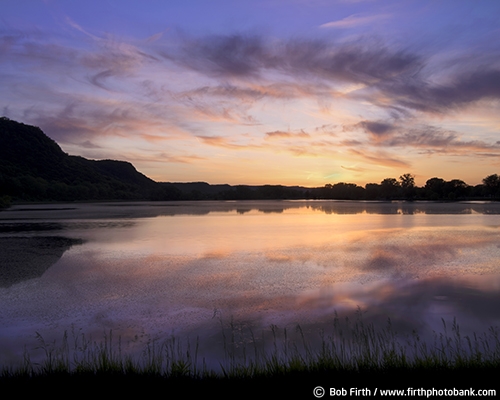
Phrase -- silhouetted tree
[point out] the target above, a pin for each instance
(476, 191)
(372, 191)
(492, 185)
(456, 189)
(407, 183)
(389, 188)
(434, 188)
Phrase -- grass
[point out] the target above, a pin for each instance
(352, 354)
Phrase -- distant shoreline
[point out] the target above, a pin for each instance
(33, 168)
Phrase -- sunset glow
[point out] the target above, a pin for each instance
(286, 92)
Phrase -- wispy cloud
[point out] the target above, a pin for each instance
(283, 134)
(220, 141)
(437, 140)
(400, 77)
(380, 158)
(427, 137)
(464, 88)
(241, 56)
(70, 22)
(353, 168)
(354, 20)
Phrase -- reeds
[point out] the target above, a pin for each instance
(349, 346)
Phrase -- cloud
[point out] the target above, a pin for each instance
(226, 91)
(87, 120)
(154, 37)
(427, 137)
(354, 20)
(97, 61)
(386, 76)
(283, 134)
(63, 129)
(98, 79)
(169, 87)
(77, 27)
(353, 168)
(376, 128)
(293, 145)
(438, 140)
(232, 55)
(220, 141)
(184, 159)
(240, 56)
(32, 50)
(249, 92)
(114, 59)
(380, 158)
(222, 103)
(252, 68)
(356, 62)
(464, 88)
(166, 157)
(89, 145)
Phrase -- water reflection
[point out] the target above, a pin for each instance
(416, 304)
(154, 269)
(19, 226)
(23, 258)
(155, 209)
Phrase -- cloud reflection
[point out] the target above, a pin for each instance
(172, 273)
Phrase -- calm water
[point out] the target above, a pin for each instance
(150, 270)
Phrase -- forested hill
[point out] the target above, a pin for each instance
(34, 168)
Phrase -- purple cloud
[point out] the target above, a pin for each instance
(376, 128)
(431, 138)
(402, 76)
(250, 56)
(466, 87)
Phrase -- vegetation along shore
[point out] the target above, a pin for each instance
(353, 354)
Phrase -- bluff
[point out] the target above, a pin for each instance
(34, 168)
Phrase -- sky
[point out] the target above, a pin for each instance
(292, 92)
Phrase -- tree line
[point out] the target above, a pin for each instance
(404, 188)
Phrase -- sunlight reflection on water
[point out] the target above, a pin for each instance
(153, 269)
